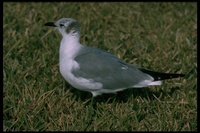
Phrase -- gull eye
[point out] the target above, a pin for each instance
(61, 25)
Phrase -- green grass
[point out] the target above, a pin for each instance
(158, 36)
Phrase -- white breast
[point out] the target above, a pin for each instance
(67, 64)
(77, 82)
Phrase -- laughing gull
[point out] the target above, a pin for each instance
(97, 71)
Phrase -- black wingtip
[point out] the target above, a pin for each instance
(171, 75)
(162, 76)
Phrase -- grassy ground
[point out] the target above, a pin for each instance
(158, 36)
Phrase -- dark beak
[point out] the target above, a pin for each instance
(50, 24)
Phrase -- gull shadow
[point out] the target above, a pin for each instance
(119, 97)
(123, 96)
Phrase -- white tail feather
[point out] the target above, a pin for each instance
(155, 83)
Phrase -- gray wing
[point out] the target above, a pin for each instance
(107, 69)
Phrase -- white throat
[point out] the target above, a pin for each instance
(69, 46)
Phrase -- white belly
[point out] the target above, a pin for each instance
(80, 83)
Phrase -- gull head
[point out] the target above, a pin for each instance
(66, 26)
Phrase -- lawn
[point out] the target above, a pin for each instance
(157, 36)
